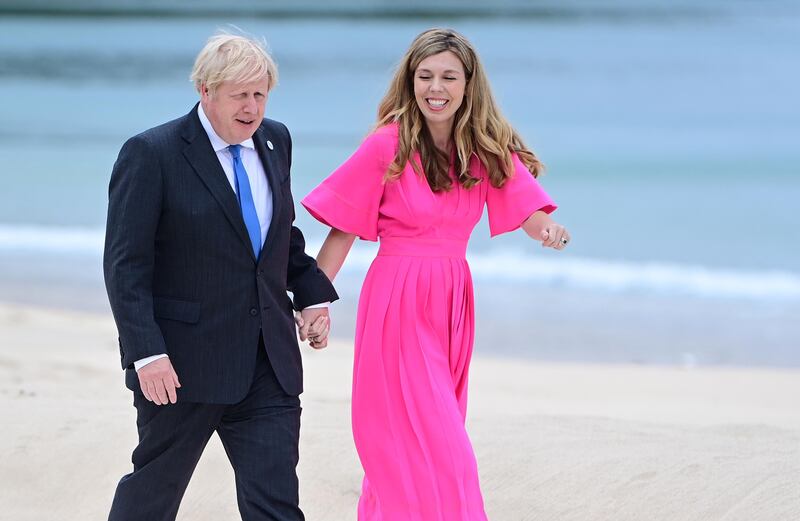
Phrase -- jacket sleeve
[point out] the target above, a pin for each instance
(134, 209)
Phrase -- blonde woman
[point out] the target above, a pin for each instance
(441, 151)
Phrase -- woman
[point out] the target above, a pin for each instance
(440, 152)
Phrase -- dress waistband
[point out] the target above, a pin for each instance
(423, 247)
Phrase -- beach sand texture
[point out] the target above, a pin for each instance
(554, 442)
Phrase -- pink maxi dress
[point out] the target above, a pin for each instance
(415, 324)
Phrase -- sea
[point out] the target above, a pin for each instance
(671, 139)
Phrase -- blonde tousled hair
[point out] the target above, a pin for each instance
(233, 58)
(479, 127)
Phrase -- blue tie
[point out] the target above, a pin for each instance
(245, 197)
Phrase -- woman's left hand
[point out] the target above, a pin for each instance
(541, 227)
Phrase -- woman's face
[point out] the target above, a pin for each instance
(439, 84)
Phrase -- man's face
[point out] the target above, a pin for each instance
(235, 109)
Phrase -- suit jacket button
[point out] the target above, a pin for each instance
(253, 311)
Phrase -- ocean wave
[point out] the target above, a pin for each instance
(636, 277)
(509, 266)
(615, 276)
(29, 238)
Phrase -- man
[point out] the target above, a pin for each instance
(200, 252)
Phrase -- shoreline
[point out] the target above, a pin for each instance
(563, 325)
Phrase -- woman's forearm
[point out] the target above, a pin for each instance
(541, 227)
(535, 224)
(333, 252)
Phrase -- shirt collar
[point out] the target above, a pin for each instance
(217, 143)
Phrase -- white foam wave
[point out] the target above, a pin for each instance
(54, 239)
(512, 266)
(639, 277)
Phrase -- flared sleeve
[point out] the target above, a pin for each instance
(510, 205)
(350, 197)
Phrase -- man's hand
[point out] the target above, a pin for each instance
(318, 332)
(314, 326)
(158, 381)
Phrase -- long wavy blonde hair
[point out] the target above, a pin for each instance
(479, 127)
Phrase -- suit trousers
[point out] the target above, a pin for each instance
(260, 435)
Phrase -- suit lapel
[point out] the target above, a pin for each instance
(204, 161)
(268, 159)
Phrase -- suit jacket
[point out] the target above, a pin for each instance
(180, 271)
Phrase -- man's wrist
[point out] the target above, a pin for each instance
(144, 361)
(325, 305)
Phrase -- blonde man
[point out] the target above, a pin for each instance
(200, 252)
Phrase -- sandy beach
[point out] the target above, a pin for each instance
(553, 441)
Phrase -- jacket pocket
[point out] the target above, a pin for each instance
(181, 310)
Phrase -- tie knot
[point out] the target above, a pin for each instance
(235, 151)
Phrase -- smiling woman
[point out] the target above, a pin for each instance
(419, 183)
(439, 84)
(451, 112)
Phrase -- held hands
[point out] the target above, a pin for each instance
(158, 381)
(314, 325)
(541, 227)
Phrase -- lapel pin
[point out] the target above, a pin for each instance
(270, 145)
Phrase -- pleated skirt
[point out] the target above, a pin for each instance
(414, 338)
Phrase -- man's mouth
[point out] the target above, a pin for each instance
(245, 121)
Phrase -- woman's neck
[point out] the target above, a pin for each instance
(441, 133)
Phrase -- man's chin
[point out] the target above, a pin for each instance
(245, 134)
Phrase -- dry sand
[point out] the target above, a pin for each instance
(554, 442)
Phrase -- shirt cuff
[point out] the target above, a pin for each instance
(144, 361)
(325, 305)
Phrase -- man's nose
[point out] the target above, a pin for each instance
(250, 105)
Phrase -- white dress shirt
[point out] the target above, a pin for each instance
(259, 186)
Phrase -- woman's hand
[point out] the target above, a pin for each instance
(318, 330)
(541, 227)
